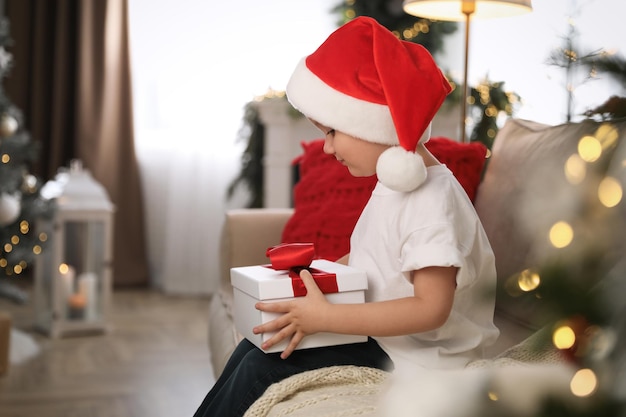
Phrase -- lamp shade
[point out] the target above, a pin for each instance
(454, 9)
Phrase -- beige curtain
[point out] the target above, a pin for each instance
(75, 90)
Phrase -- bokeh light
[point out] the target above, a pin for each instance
(561, 234)
(607, 134)
(584, 383)
(610, 192)
(589, 148)
(564, 337)
(575, 169)
(528, 280)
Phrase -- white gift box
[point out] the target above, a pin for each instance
(262, 283)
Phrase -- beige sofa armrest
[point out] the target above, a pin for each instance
(246, 235)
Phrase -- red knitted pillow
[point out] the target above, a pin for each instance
(328, 200)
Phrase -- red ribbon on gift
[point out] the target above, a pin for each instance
(291, 255)
(295, 257)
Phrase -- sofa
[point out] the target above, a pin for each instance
(521, 190)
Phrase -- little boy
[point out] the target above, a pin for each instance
(429, 264)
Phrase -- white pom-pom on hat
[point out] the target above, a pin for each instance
(401, 170)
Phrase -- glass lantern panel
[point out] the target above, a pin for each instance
(85, 262)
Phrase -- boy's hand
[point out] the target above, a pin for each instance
(300, 317)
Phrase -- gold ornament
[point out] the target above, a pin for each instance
(8, 125)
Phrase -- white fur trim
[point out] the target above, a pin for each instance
(400, 170)
(318, 101)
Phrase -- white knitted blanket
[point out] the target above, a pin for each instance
(336, 391)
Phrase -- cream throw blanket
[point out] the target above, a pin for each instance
(334, 391)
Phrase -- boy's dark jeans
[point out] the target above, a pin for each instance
(250, 371)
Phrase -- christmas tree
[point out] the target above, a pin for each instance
(390, 14)
(20, 200)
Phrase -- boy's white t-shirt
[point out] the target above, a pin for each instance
(435, 225)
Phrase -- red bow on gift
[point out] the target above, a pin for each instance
(298, 256)
(291, 255)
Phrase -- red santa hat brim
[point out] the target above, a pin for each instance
(330, 107)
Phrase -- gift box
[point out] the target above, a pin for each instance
(341, 284)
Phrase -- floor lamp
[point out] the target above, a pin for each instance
(465, 10)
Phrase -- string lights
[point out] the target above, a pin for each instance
(586, 251)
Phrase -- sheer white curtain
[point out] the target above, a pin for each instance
(184, 193)
(196, 63)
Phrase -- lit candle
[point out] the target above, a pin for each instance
(76, 304)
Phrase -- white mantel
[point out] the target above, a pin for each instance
(283, 134)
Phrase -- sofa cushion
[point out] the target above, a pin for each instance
(328, 200)
(523, 193)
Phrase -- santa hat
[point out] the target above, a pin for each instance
(365, 82)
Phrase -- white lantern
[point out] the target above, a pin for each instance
(73, 273)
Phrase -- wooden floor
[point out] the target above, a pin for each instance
(153, 363)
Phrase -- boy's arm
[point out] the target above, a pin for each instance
(343, 260)
(427, 309)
